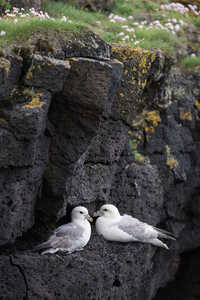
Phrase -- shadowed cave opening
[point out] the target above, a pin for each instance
(186, 285)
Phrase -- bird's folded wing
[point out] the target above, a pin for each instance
(70, 230)
(63, 237)
(137, 229)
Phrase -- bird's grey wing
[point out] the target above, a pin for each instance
(70, 229)
(140, 231)
(63, 237)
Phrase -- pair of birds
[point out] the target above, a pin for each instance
(110, 224)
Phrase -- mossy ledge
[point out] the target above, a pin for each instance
(59, 44)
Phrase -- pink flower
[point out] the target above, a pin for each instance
(2, 33)
(64, 19)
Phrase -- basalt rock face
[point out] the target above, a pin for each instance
(87, 126)
(93, 5)
(37, 4)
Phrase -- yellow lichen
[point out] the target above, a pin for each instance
(121, 95)
(143, 62)
(168, 150)
(149, 129)
(125, 72)
(67, 64)
(5, 64)
(144, 84)
(74, 59)
(139, 157)
(115, 59)
(153, 57)
(29, 74)
(197, 104)
(171, 162)
(128, 52)
(153, 116)
(20, 58)
(35, 102)
(185, 115)
(146, 122)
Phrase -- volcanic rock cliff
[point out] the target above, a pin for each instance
(84, 123)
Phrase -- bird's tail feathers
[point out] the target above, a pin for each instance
(41, 246)
(158, 243)
(165, 234)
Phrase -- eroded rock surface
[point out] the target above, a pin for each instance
(87, 127)
(93, 5)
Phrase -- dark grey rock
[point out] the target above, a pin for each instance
(186, 284)
(13, 285)
(93, 5)
(37, 4)
(86, 96)
(10, 71)
(134, 144)
(23, 156)
(68, 45)
(21, 126)
(102, 271)
(47, 73)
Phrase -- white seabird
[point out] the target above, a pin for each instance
(114, 227)
(70, 237)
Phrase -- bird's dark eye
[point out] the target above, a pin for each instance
(105, 209)
(81, 212)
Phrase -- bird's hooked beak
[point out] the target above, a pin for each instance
(98, 213)
(90, 219)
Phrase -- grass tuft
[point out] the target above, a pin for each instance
(191, 62)
(21, 31)
(131, 23)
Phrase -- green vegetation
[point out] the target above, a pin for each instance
(158, 38)
(25, 28)
(139, 11)
(78, 16)
(4, 4)
(133, 22)
(29, 92)
(191, 62)
(139, 158)
(171, 162)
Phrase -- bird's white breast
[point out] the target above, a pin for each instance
(110, 230)
(86, 233)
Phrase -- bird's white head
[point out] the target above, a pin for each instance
(80, 213)
(108, 211)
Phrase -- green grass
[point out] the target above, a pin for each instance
(84, 19)
(196, 21)
(59, 9)
(21, 31)
(5, 4)
(156, 38)
(191, 62)
(131, 7)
